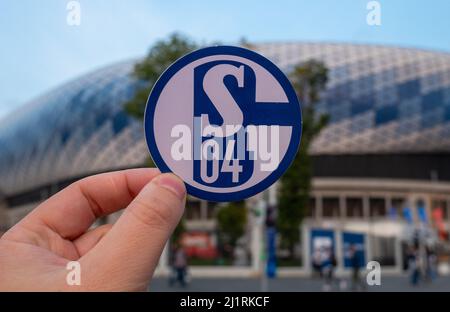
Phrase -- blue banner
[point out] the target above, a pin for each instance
(322, 239)
(422, 214)
(354, 246)
(407, 214)
(322, 248)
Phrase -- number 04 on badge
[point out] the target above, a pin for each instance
(224, 119)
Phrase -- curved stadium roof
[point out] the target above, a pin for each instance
(380, 100)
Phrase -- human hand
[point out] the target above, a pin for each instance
(120, 257)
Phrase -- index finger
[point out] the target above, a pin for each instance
(73, 210)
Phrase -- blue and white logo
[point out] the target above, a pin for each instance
(224, 119)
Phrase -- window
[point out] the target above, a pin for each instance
(211, 210)
(311, 208)
(397, 207)
(440, 204)
(354, 207)
(193, 210)
(377, 207)
(331, 207)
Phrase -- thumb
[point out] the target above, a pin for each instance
(126, 257)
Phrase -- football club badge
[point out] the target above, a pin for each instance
(224, 119)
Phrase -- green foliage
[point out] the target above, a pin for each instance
(161, 55)
(308, 79)
(243, 42)
(231, 220)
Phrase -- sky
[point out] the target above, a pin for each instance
(39, 50)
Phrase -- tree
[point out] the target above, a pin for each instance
(159, 58)
(308, 80)
(231, 220)
(243, 42)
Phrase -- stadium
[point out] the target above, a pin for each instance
(381, 166)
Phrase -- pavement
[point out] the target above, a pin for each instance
(388, 283)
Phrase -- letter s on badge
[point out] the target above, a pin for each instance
(224, 119)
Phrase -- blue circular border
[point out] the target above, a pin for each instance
(227, 50)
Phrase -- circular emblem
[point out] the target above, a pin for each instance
(224, 119)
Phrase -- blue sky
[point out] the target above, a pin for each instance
(39, 50)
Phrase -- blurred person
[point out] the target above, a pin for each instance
(120, 257)
(355, 264)
(430, 264)
(179, 266)
(317, 263)
(414, 265)
(328, 266)
(173, 272)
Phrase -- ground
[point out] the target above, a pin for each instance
(388, 283)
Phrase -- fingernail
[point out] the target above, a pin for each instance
(172, 183)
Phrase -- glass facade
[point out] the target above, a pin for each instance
(77, 129)
(380, 100)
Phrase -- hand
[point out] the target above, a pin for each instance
(120, 257)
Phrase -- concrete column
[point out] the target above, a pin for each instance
(428, 202)
(366, 216)
(388, 200)
(306, 248)
(343, 208)
(257, 238)
(408, 202)
(369, 255)
(412, 204)
(398, 255)
(388, 203)
(314, 215)
(339, 250)
(366, 207)
(319, 208)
